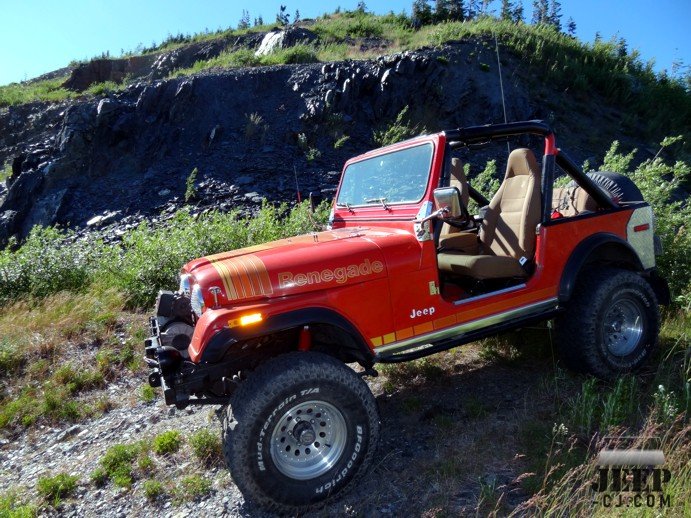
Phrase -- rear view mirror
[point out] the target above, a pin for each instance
(448, 198)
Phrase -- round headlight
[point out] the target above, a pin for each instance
(197, 300)
(185, 284)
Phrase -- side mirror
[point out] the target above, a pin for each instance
(449, 198)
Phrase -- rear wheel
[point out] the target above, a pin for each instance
(611, 323)
(301, 428)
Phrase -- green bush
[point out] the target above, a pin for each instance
(12, 507)
(659, 183)
(117, 465)
(52, 489)
(206, 446)
(167, 442)
(152, 489)
(192, 487)
(147, 260)
(400, 129)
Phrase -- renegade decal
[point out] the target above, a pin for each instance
(340, 275)
(243, 276)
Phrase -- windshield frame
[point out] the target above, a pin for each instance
(396, 148)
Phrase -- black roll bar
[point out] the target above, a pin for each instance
(480, 134)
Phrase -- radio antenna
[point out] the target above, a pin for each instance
(501, 84)
(297, 185)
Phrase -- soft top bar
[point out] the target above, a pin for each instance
(480, 134)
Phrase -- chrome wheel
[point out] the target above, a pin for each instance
(308, 440)
(623, 327)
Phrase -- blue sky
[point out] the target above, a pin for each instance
(37, 36)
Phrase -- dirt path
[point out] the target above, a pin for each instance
(451, 444)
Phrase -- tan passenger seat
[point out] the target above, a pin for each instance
(572, 201)
(508, 229)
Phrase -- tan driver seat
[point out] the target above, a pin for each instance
(452, 237)
(508, 228)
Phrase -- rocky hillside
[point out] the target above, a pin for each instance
(127, 154)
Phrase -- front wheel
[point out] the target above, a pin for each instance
(301, 428)
(611, 323)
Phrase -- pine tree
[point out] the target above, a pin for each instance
(554, 18)
(540, 11)
(507, 10)
(244, 22)
(296, 18)
(571, 27)
(517, 15)
(473, 9)
(422, 12)
(282, 18)
(441, 10)
(456, 10)
(361, 7)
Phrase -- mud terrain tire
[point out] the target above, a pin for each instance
(611, 324)
(302, 427)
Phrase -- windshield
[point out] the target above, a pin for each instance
(396, 177)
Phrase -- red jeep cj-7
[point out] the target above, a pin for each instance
(404, 271)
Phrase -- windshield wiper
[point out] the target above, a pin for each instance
(378, 200)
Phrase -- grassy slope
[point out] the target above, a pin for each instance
(566, 63)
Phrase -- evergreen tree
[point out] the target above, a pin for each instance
(422, 12)
(456, 10)
(296, 18)
(571, 27)
(507, 10)
(554, 17)
(517, 15)
(441, 10)
(361, 7)
(282, 18)
(473, 9)
(244, 22)
(484, 9)
(540, 11)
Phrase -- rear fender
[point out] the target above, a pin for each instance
(602, 248)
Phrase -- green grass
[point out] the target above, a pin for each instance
(54, 488)
(206, 447)
(167, 442)
(5, 172)
(153, 489)
(147, 393)
(11, 506)
(192, 487)
(117, 465)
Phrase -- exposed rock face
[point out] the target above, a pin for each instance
(246, 130)
(282, 39)
(116, 70)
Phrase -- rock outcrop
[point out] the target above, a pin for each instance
(249, 132)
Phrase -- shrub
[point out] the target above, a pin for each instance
(659, 182)
(116, 464)
(206, 446)
(12, 507)
(167, 442)
(148, 394)
(193, 487)
(54, 488)
(190, 188)
(400, 129)
(152, 489)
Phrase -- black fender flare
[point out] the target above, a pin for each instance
(222, 341)
(585, 250)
